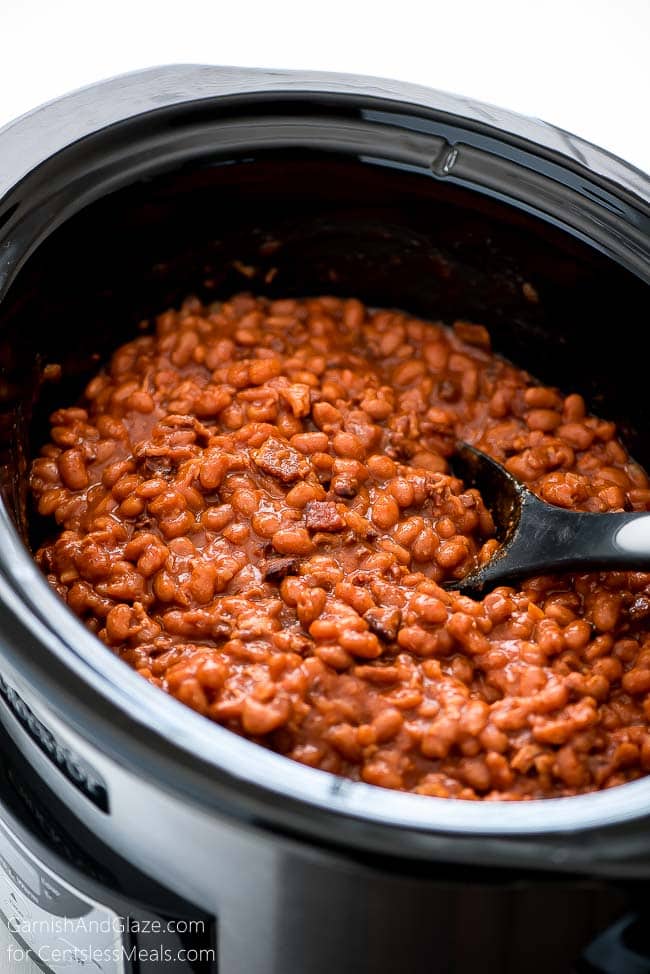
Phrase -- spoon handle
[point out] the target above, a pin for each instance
(549, 539)
(558, 540)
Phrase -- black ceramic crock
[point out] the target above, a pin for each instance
(118, 201)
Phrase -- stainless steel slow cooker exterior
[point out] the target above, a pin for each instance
(305, 872)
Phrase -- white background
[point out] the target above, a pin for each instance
(583, 65)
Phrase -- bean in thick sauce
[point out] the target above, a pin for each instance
(255, 511)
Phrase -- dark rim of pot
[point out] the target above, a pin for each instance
(64, 155)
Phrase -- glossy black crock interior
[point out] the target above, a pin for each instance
(304, 223)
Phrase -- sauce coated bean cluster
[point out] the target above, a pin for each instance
(254, 510)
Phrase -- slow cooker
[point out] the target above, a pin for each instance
(134, 834)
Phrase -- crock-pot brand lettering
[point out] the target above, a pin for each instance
(74, 767)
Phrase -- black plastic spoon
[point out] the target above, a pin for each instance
(538, 537)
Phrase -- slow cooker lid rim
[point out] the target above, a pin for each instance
(555, 180)
(90, 109)
(550, 190)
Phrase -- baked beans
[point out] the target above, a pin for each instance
(254, 509)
